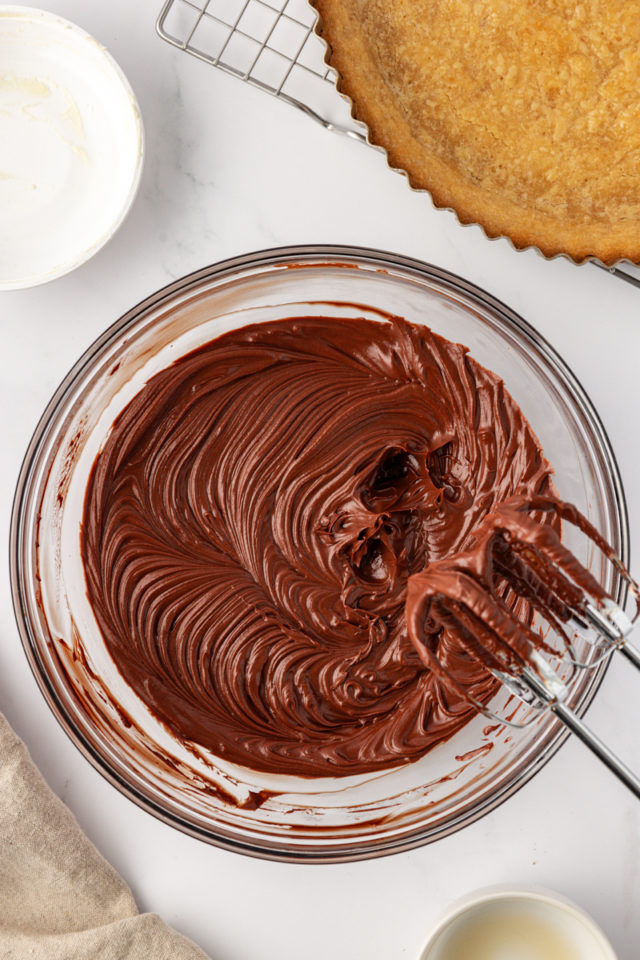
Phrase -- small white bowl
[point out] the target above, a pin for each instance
(71, 146)
(521, 924)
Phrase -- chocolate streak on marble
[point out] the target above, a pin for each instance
(254, 517)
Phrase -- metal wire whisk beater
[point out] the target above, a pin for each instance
(488, 598)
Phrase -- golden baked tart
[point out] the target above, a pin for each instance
(522, 115)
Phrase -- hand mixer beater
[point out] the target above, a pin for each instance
(522, 605)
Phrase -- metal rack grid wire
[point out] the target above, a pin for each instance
(272, 45)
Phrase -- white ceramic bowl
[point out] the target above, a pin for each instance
(71, 146)
(516, 924)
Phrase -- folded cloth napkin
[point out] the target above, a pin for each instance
(59, 898)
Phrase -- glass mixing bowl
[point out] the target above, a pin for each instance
(271, 816)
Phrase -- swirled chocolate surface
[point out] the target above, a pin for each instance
(253, 518)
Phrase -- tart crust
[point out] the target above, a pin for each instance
(521, 115)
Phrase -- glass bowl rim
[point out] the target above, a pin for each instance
(327, 255)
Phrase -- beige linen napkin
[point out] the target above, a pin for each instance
(59, 899)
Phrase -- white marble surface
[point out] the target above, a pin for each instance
(229, 170)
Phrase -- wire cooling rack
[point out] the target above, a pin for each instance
(271, 44)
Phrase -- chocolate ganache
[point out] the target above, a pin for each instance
(252, 521)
